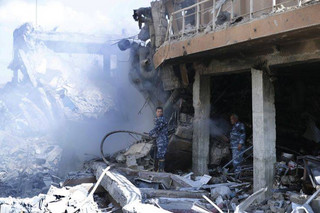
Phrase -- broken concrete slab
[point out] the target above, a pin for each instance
(247, 202)
(66, 199)
(202, 180)
(177, 181)
(58, 191)
(152, 193)
(130, 197)
(306, 206)
(123, 191)
(179, 204)
(223, 191)
(184, 131)
(131, 161)
(118, 186)
(139, 150)
(137, 206)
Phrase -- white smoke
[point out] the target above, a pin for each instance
(28, 113)
(91, 17)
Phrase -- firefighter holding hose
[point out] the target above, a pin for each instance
(160, 132)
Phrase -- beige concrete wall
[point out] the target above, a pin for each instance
(260, 7)
(243, 6)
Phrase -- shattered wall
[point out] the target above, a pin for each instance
(54, 114)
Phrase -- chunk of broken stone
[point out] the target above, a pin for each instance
(139, 150)
(63, 192)
(120, 158)
(184, 131)
(223, 191)
(77, 197)
(200, 181)
(276, 206)
(58, 206)
(131, 161)
(219, 200)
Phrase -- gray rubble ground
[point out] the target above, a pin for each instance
(67, 199)
(184, 194)
(28, 167)
(31, 111)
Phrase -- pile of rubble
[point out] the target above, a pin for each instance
(34, 109)
(296, 178)
(29, 166)
(79, 192)
(138, 190)
(67, 199)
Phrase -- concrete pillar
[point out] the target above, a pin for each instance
(264, 130)
(160, 23)
(201, 129)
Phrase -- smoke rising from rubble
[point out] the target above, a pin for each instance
(71, 103)
(219, 126)
(94, 17)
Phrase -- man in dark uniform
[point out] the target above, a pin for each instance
(237, 139)
(160, 132)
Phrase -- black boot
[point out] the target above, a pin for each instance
(161, 165)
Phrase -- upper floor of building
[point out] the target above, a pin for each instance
(204, 26)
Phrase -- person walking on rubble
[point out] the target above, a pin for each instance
(237, 139)
(160, 132)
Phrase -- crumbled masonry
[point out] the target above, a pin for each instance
(201, 61)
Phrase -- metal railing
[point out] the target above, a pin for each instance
(203, 15)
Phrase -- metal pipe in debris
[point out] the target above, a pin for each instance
(237, 156)
(212, 203)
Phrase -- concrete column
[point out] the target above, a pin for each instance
(201, 129)
(264, 130)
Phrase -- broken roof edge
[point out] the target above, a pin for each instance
(275, 24)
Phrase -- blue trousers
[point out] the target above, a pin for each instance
(237, 160)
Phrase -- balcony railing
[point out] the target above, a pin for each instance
(203, 15)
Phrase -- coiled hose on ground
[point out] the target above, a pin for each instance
(147, 138)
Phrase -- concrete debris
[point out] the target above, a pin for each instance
(29, 166)
(200, 181)
(223, 191)
(166, 191)
(53, 94)
(246, 203)
(65, 199)
(276, 206)
(218, 152)
(226, 190)
(213, 204)
(306, 206)
(137, 190)
(129, 183)
(184, 131)
(137, 156)
(131, 161)
(139, 150)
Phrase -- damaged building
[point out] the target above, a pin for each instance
(202, 61)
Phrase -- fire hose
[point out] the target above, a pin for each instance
(145, 136)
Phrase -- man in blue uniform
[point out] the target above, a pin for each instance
(160, 132)
(237, 139)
